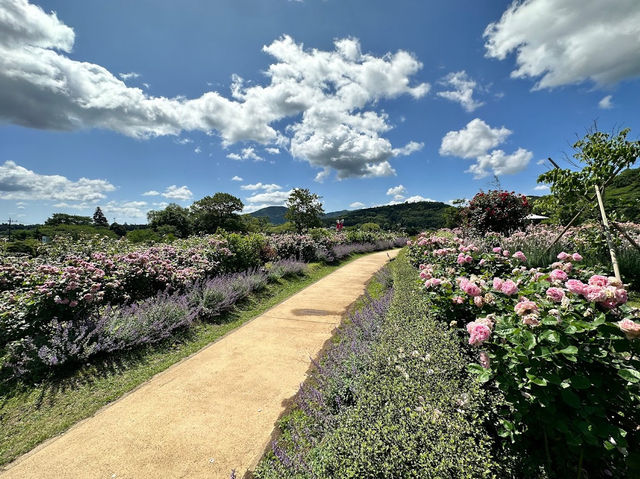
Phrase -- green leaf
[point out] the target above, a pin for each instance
(569, 351)
(528, 340)
(537, 380)
(630, 375)
(580, 382)
(570, 398)
(550, 336)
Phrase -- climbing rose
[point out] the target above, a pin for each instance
(555, 294)
(630, 328)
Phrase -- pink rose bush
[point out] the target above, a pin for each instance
(558, 335)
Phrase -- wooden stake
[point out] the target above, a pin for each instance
(626, 235)
(607, 234)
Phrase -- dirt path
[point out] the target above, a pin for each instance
(216, 410)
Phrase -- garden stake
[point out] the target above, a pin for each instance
(626, 235)
(607, 234)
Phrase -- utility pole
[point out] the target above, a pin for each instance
(9, 229)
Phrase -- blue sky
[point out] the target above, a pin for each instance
(131, 105)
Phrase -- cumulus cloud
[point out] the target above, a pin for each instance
(397, 192)
(408, 149)
(181, 193)
(248, 153)
(273, 151)
(357, 204)
(461, 90)
(261, 186)
(325, 95)
(151, 193)
(417, 199)
(605, 103)
(271, 198)
(197, 149)
(19, 183)
(542, 188)
(474, 142)
(563, 42)
(236, 178)
(123, 210)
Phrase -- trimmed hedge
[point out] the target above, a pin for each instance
(411, 411)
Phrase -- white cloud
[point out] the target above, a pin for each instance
(474, 142)
(248, 153)
(273, 151)
(462, 90)
(397, 192)
(606, 103)
(19, 183)
(357, 204)
(563, 42)
(325, 95)
(181, 193)
(126, 210)
(236, 178)
(183, 141)
(417, 199)
(407, 149)
(542, 188)
(272, 198)
(261, 186)
(197, 149)
(129, 76)
(151, 193)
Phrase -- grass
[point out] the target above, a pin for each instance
(31, 414)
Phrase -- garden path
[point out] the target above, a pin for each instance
(216, 410)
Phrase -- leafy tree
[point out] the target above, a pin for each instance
(173, 215)
(118, 229)
(217, 211)
(99, 219)
(600, 156)
(65, 219)
(370, 227)
(304, 209)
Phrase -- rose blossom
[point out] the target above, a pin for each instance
(497, 249)
(478, 301)
(509, 287)
(519, 255)
(506, 253)
(457, 299)
(576, 257)
(555, 294)
(497, 284)
(558, 275)
(575, 286)
(597, 280)
(562, 256)
(531, 319)
(630, 328)
(478, 333)
(526, 306)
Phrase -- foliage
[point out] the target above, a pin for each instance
(65, 219)
(557, 342)
(217, 211)
(600, 156)
(172, 215)
(496, 210)
(99, 219)
(146, 235)
(304, 209)
(370, 227)
(118, 229)
(388, 399)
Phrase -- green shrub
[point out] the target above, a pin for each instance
(498, 211)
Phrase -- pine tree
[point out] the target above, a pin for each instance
(99, 219)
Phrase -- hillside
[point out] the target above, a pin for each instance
(275, 214)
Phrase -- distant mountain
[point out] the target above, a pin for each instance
(337, 214)
(275, 214)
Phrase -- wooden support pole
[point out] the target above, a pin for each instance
(565, 229)
(607, 234)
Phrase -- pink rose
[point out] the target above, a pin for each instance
(497, 284)
(497, 249)
(472, 289)
(630, 328)
(525, 307)
(509, 287)
(555, 294)
(478, 301)
(558, 275)
(595, 294)
(506, 253)
(576, 257)
(575, 286)
(519, 255)
(478, 333)
(457, 299)
(531, 319)
(425, 275)
(563, 256)
(621, 296)
(597, 280)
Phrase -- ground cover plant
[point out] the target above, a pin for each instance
(77, 299)
(557, 342)
(391, 398)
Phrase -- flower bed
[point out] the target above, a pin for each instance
(558, 342)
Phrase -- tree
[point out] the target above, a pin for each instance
(173, 215)
(99, 219)
(304, 209)
(118, 229)
(217, 211)
(65, 219)
(499, 211)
